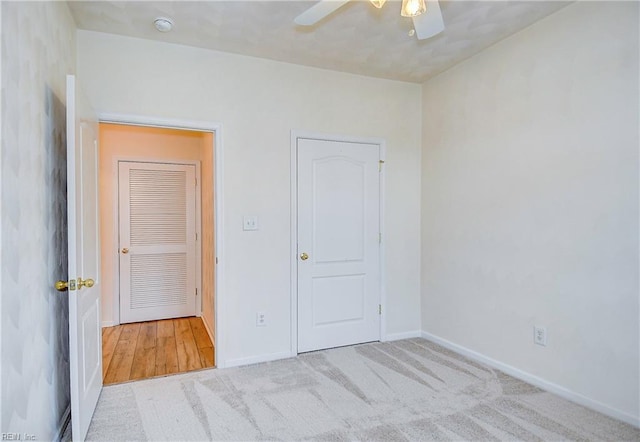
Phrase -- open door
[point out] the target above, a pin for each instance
(85, 340)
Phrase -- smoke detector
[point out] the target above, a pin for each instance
(163, 24)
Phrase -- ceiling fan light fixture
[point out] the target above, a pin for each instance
(413, 8)
(378, 3)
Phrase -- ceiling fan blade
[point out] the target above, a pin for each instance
(319, 11)
(430, 23)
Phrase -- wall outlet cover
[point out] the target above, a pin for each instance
(540, 335)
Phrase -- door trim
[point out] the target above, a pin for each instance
(293, 184)
(218, 192)
(116, 237)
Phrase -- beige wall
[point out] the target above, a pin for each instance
(258, 103)
(530, 203)
(136, 143)
(208, 233)
(38, 51)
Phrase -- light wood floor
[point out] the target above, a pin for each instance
(147, 349)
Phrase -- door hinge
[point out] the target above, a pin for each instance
(196, 180)
(196, 236)
(216, 260)
(379, 238)
(379, 309)
(380, 163)
(196, 291)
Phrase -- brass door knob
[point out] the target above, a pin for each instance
(63, 286)
(85, 283)
(125, 250)
(304, 256)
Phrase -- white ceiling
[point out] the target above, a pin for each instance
(357, 38)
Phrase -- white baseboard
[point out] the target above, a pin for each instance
(535, 380)
(64, 422)
(403, 335)
(258, 359)
(107, 324)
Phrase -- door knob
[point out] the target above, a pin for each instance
(125, 250)
(304, 256)
(62, 286)
(85, 283)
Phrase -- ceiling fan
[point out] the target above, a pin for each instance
(426, 14)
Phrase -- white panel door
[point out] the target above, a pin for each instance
(85, 338)
(338, 200)
(157, 222)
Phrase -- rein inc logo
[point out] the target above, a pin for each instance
(18, 436)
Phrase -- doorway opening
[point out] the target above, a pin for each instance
(141, 350)
(157, 213)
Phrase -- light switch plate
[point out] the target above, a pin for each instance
(250, 223)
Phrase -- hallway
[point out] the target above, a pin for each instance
(155, 348)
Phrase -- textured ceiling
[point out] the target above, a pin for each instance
(357, 38)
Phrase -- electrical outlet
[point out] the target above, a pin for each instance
(539, 335)
(261, 319)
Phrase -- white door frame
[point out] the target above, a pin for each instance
(116, 237)
(218, 193)
(299, 134)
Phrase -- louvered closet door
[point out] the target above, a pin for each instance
(157, 241)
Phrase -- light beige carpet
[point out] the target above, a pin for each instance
(404, 390)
